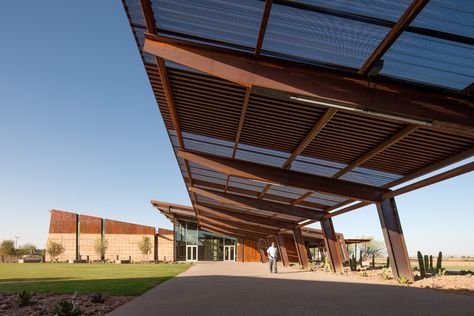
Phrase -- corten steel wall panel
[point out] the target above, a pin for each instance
(90, 224)
(291, 249)
(62, 222)
(240, 250)
(165, 245)
(117, 227)
(251, 253)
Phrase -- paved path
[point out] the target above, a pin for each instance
(248, 289)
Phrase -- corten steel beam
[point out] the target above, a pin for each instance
(160, 62)
(228, 232)
(377, 149)
(228, 214)
(414, 186)
(290, 178)
(304, 143)
(258, 204)
(325, 118)
(251, 225)
(237, 225)
(332, 245)
(442, 109)
(283, 252)
(401, 25)
(300, 248)
(375, 21)
(469, 89)
(261, 249)
(239, 129)
(228, 228)
(263, 26)
(394, 240)
(432, 180)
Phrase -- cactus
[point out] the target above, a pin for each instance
(426, 262)
(353, 263)
(421, 264)
(439, 261)
(373, 261)
(360, 260)
(431, 264)
(388, 262)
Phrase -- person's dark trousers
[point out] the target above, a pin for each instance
(273, 265)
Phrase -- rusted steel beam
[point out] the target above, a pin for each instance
(228, 229)
(280, 239)
(347, 209)
(301, 248)
(248, 202)
(263, 26)
(377, 149)
(431, 180)
(301, 198)
(290, 178)
(469, 90)
(394, 240)
(332, 245)
(237, 225)
(226, 234)
(160, 62)
(345, 252)
(401, 25)
(442, 109)
(325, 118)
(228, 214)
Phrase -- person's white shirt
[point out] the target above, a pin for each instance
(272, 252)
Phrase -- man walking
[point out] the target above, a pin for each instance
(272, 252)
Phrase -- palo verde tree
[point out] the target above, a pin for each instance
(55, 249)
(145, 246)
(101, 246)
(7, 249)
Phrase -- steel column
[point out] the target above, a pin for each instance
(332, 245)
(283, 252)
(394, 240)
(300, 248)
(263, 258)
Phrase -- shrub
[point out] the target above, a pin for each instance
(402, 280)
(386, 273)
(24, 298)
(55, 249)
(97, 298)
(7, 248)
(66, 308)
(364, 274)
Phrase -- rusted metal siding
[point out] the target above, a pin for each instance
(251, 253)
(62, 222)
(291, 249)
(116, 227)
(90, 224)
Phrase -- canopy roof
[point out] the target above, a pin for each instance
(280, 110)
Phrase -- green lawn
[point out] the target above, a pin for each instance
(118, 279)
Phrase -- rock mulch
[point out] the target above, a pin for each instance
(43, 304)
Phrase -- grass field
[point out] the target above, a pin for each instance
(118, 279)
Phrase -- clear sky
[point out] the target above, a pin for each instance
(80, 131)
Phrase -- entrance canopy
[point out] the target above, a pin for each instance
(298, 111)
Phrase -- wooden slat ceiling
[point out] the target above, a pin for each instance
(209, 110)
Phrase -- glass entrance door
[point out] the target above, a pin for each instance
(229, 253)
(191, 252)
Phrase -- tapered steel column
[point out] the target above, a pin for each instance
(283, 253)
(300, 248)
(261, 244)
(394, 240)
(345, 253)
(332, 245)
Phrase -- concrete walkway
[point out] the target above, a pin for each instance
(249, 289)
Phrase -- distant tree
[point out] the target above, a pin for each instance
(7, 248)
(145, 246)
(376, 248)
(27, 249)
(55, 249)
(101, 246)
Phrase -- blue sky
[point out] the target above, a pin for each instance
(80, 131)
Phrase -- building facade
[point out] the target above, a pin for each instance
(79, 234)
